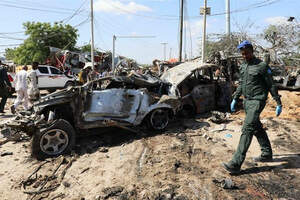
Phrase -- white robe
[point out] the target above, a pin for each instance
(32, 81)
(21, 89)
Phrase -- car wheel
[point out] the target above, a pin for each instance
(158, 119)
(69, 84)
(55, 140)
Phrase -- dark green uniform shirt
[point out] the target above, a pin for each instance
(256, 81)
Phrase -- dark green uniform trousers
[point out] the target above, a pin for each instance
(252, 126)
(4, 95)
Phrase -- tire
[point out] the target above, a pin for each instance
(188, 111)
(69, 84)
(55, 140)
(158, 119)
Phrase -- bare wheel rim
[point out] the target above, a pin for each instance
(54, 141)
(159, 119)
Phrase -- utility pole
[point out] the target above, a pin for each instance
(204, 11)
(181, 28)
(164, 44)
(113, 54)
(227, 17)
(170, 53)
(92, 33)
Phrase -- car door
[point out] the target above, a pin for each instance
(58, 79)
(43, 76)
(120, 104)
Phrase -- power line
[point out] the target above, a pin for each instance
(17, 32)
(11, 38)
(34, 4)
(77, 12)
(36, 9)
(161, 17)
(9, 45)
(175, 18)
(83, 22)
(97, 24)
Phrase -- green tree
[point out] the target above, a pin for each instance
(41, 36)
(85, 48)
(10, 53)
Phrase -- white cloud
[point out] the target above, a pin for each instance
(276, 20)
(118, 7)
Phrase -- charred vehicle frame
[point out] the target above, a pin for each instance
(106, 102)
(120, 101)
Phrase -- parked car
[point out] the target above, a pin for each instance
(50, 78)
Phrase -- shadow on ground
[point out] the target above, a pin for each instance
(288, 161)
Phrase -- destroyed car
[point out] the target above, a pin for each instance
(107, 102)
(286, 77)
(137, 100)
(202, 88)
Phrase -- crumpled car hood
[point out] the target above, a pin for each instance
(180, 72)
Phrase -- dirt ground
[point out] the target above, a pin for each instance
(182, 163)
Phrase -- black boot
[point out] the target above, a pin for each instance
(231, 168)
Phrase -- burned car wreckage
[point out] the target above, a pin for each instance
(120, 101)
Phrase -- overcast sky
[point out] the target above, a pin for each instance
(159, 18)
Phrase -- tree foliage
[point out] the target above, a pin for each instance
(10, 53)
(224, 43)
(87, 48)
(284, 37)
(41, 36)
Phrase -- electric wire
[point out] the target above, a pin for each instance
(175, 18)
(77, 12)
(9, 45)
(97, 30)
(34, 4)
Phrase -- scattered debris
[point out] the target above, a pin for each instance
(228, 135)
(225, 183)
(220, 128)
(219, 117)
(86, 169)
(112, 191)
(7, 153)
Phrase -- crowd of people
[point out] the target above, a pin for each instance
(26, 87)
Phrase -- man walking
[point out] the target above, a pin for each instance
(255, 83)
(32, 82)
(5, 87)
(21, 89)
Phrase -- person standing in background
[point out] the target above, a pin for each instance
(5, 87)
(32, 82)
(21, 89)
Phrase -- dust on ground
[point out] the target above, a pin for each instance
(182, 163)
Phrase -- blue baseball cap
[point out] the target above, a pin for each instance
(244, 44)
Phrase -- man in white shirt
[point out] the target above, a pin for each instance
(32, 81)
(21, 89)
